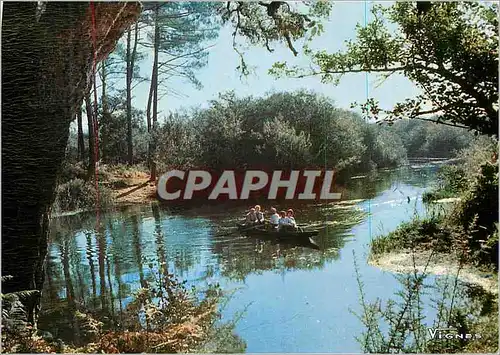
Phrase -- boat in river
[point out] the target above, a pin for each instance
(295, 238)
(265, 231)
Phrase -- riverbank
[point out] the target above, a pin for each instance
(432, 245)
(119, 186)
(445, 264)
(129, 185)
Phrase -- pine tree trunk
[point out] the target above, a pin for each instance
(104, 103)
(148, 118)
(90, 123)
(81, 142)
(155, 95)
(130, 151)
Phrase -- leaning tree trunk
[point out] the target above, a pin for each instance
(46, 60)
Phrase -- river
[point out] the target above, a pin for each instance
(293, 298)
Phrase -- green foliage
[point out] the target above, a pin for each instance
(470, 229)
(282, 141)
(113, 132)
(449, 51)
(176, 143)
(430, 140)
(455, 180)
(451, 181)
(263, 24)
(403, 318)
(418, 233)
(18, 335)
(475, 181)
(400, 325)
(299, 129)
(78, 194)
(481, 150)
(184, 29)
(294, 129)
(387, 149)
(477, 213)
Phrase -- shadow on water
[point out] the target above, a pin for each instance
(99, 268)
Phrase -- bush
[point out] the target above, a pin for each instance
(419, 233)
(72, 170)
(77, 195)
(166, 317)
(163, 317)
(480, 151)
(451, 181)
(477, 214)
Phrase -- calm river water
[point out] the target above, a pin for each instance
(293, 298)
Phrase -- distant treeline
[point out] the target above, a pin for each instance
(284, 130)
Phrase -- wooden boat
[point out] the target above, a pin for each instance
(298, 238)
(263, 230)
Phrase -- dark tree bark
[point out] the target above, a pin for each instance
(81, 142)
(104, 101)
(38, 70)
(45, 61)
(148, 117)
(131, 56)
(90, 123)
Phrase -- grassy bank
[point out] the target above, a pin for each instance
(467, 290)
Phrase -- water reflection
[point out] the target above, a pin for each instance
(100, 265)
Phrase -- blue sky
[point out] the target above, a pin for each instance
(220, 73)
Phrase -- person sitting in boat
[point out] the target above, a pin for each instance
(251, 217)
(285, 223)
(274, 219)
(259, 215)
(282, 221)
(291, 219)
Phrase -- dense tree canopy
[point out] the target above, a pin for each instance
(450, 51)
(295, 129)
